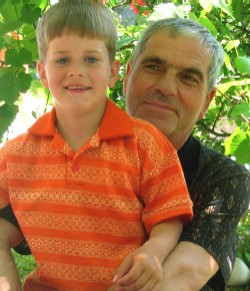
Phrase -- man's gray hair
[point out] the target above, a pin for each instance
(175, 27)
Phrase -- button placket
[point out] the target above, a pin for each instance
(75, 167)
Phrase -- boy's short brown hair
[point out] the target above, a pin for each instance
(83, 17)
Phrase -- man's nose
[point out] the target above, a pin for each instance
(167, 83)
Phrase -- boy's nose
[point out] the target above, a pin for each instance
(76, 70)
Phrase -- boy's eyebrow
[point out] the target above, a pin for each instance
(159, 61)
(66, 51)
(59, 52)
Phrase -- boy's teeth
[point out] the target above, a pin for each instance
(77, 88)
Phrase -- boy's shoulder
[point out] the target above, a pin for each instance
(117, 122)
(146, 132)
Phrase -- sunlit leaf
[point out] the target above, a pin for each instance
(7, 115)
(224, 87)
(124, 41)
(25, 56)
(238, 145)
(8, 88)
(237, 9)
(222, 4)
(232, 44)
(9, 26)
(240, 109)
(206, 4)
(242, 152)
(242, 64)
(14, 2)
(23, 82)
(228, 62)
(12, 58)
(17, 59)
(30, 13)
(208, 24)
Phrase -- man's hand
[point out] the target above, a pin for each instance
(142, 268)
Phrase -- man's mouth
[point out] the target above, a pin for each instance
(159, 105)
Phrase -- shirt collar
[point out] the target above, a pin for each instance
(115, 123)
(189, 158)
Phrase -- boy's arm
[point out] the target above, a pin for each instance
(142, 268)
(10, 236)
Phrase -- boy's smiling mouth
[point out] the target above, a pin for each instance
(77, 88)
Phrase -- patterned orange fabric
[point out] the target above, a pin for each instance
(82, 213)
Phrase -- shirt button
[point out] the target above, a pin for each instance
(75, 167)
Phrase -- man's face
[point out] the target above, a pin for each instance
(167, 85)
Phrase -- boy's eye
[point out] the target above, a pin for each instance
(62, 61)
(91, 60)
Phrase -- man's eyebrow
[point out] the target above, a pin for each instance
(152, 59)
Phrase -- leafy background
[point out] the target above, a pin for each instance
(226, 126)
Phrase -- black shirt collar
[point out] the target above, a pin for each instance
(189, 158)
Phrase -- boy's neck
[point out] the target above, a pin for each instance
(77, 131)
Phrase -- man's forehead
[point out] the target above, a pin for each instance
(181, 50)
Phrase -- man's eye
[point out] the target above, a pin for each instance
(153, 67)
(91, 60)
(189, 78)
(62, 61)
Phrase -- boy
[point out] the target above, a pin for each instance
(86, 192)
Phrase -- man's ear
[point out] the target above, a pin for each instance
(114, 73)
(125, 82)
(42, 74)
(209, 98)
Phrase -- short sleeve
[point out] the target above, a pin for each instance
(6, 211)
(163, 188)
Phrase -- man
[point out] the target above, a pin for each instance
(170, 82)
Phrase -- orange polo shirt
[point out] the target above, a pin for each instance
(82, 213)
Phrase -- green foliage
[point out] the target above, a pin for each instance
(228, 21)
(243, 250)
(24, 264)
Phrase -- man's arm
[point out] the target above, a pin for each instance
(142, 268)
(188, 267)
(10, 236)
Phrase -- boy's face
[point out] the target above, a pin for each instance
(77, 72)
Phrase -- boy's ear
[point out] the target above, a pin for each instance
(114, 73)
(42, 74)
